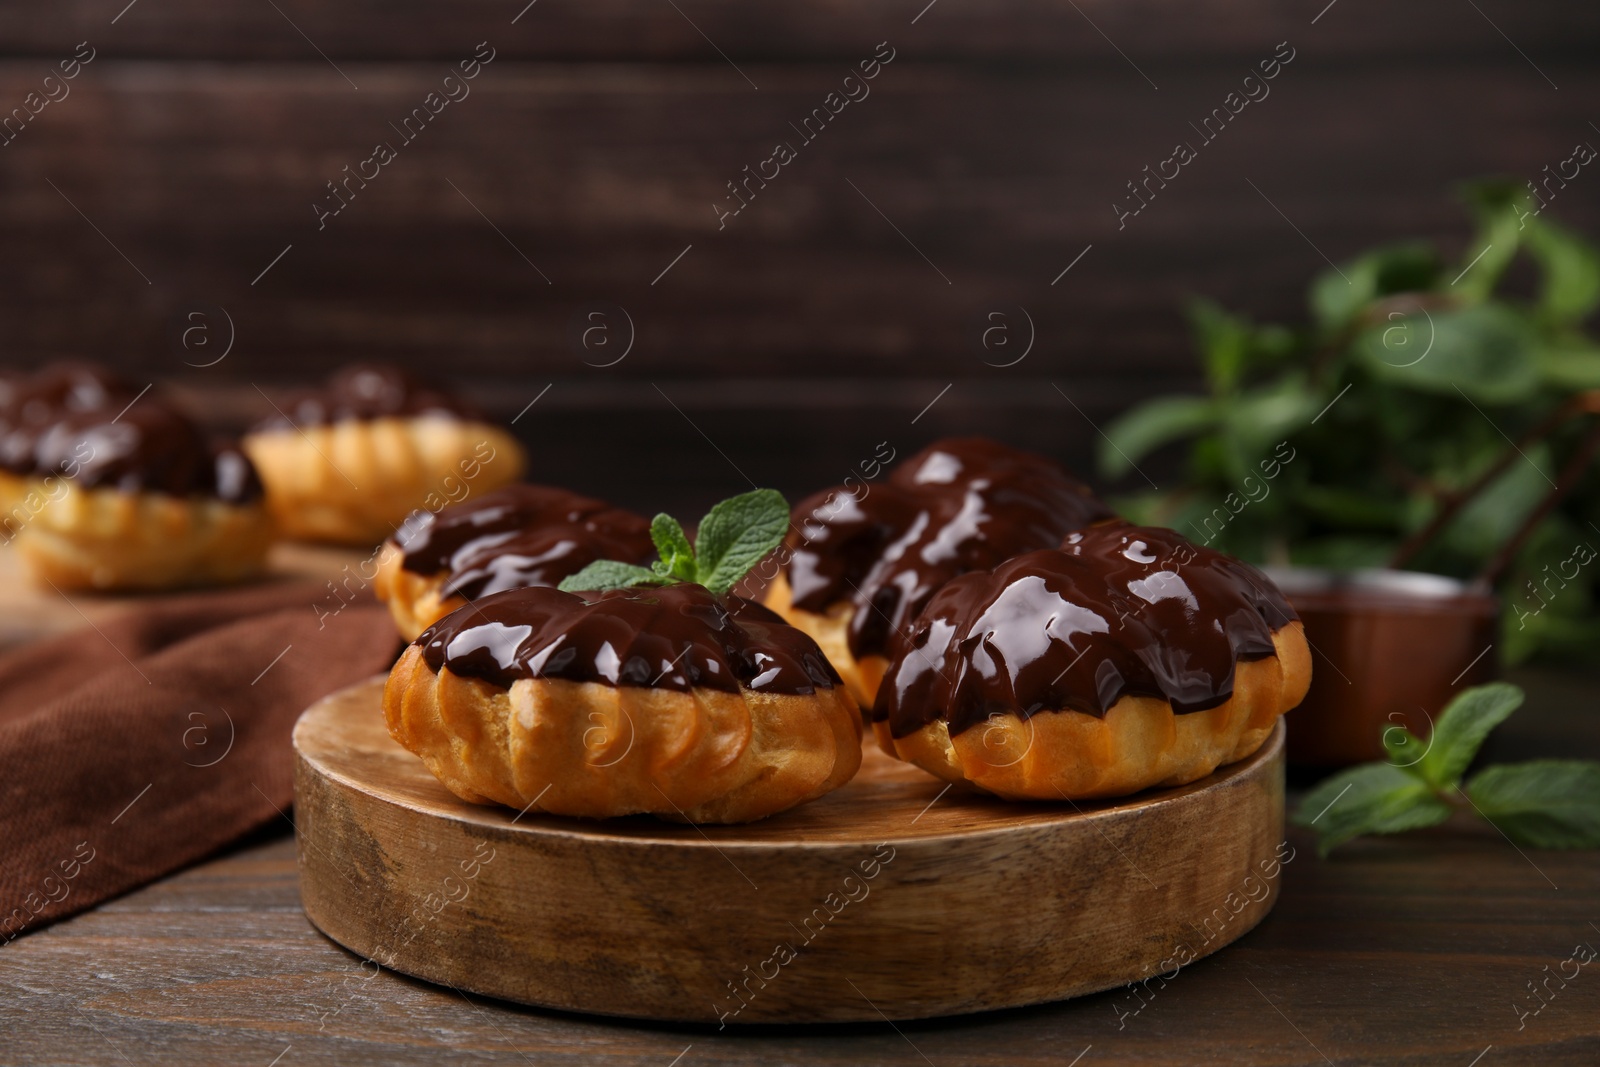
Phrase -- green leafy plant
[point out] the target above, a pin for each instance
(1331, 442)
(734, 536)
(1541, 804)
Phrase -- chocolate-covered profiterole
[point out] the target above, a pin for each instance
(104, 487)
(675, 637)
(518, 536)
(368, 391)
(147, 447)
(1117, 610)
(959, 505)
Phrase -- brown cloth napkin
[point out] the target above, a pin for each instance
(135, 748)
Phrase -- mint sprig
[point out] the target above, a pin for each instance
(1541, 804)
(734, 536)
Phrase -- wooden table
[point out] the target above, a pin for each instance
(1413, 950)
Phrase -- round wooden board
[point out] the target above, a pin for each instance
(891, 897)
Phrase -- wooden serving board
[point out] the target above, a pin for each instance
(891, 897)
(29, 611)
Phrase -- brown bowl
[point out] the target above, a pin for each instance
(1389, 648)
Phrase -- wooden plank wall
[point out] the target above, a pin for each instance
(790, 339)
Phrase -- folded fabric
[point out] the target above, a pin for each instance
(134, 748)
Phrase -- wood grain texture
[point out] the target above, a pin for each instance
(602, 175)
(891, 896)
(1399, 950)
(789, 29)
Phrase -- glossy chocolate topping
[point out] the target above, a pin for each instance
(959, 505)
(368, 391)
(674, 637)
(148, 447)
(1117, 610)
(60, 387)
(31, 403)
(521, 535)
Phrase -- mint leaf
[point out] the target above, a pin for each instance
(1498, 204)
(1485, 351)
(1543, 803)
(1570, 365)
(1405, 748)
(1338, 296)
(1461, 729)
(1571, 269)
(605, 574)
(736, 534)
(1374, 798)
(1224, 343)
(1151, 425)
(677, 555)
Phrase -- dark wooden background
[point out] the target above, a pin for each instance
(809, 329)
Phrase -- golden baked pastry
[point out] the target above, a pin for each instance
(861, 563)
(663, 701)
(831, 631)
(508, 538)
(1126, 659)
(138, 499)
(348, 463)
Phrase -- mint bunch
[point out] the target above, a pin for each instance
(1541, 804)
(734, 536)
(1390, 391)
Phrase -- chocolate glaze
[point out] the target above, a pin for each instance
(29, 404)
(521, 535)
(674, 637)
(149, 447)
(367, 391)
(1117, 610)
(959, 505)
(66, 386)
